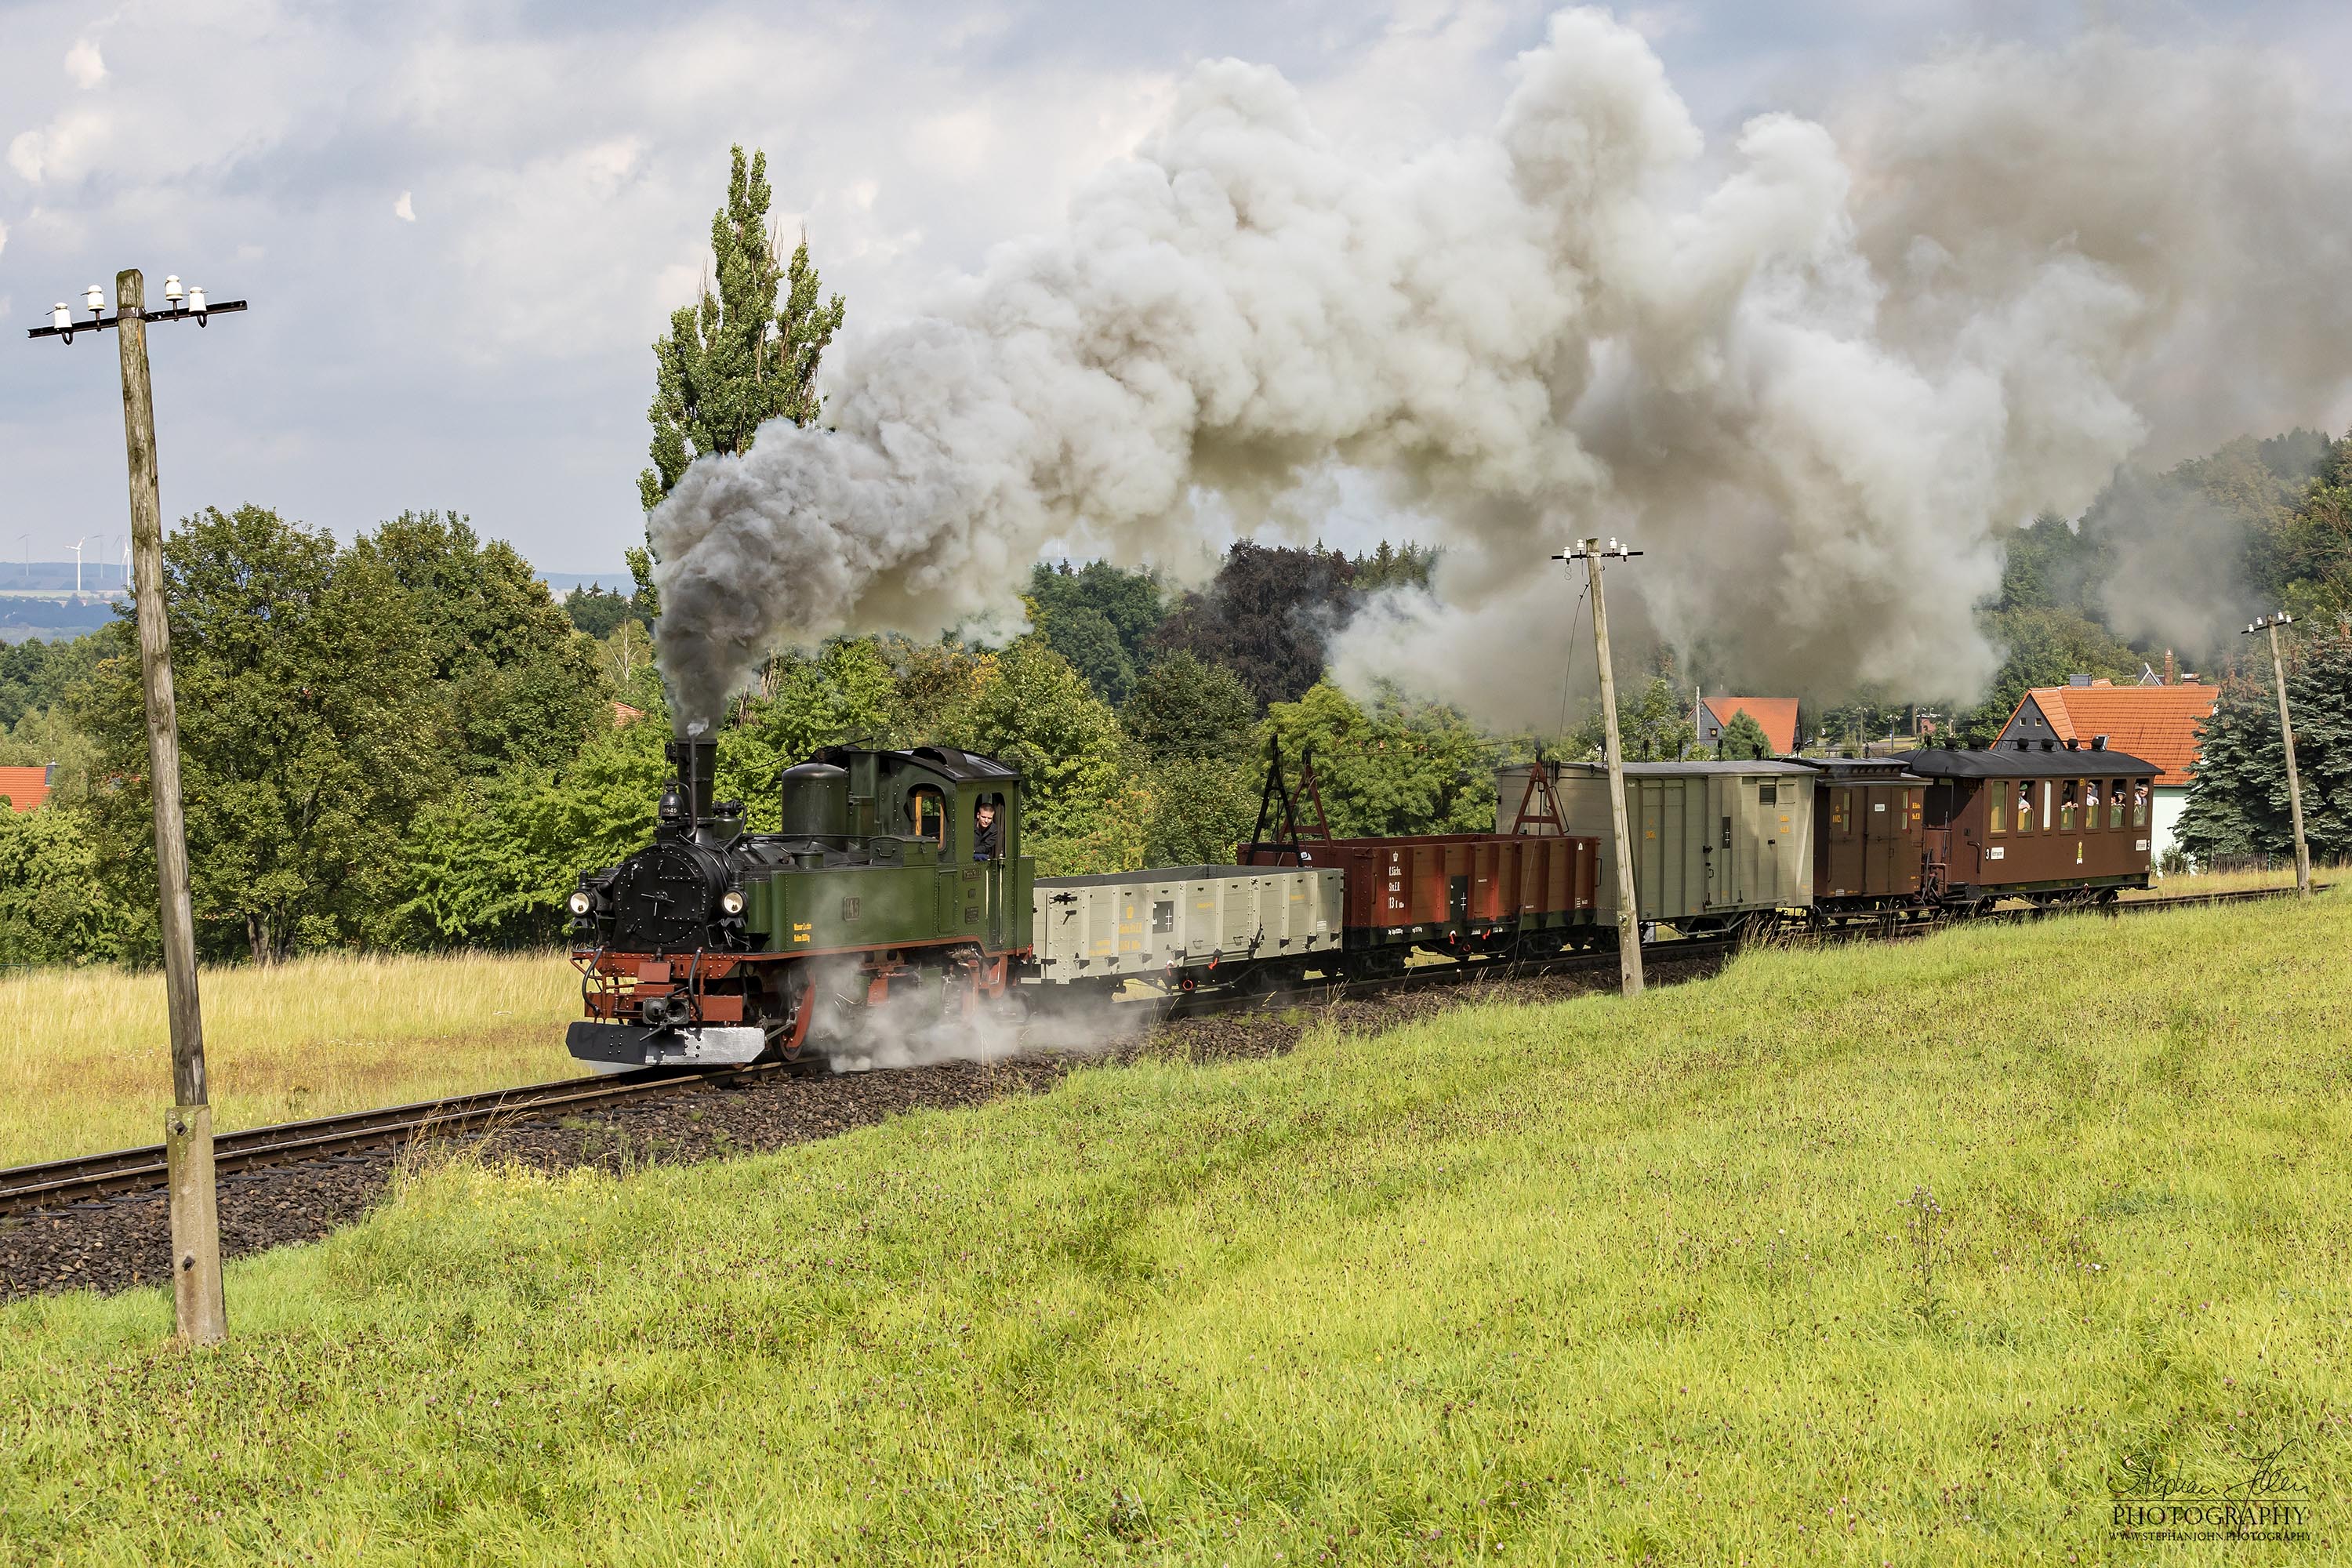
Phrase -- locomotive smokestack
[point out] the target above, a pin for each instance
(695, 758)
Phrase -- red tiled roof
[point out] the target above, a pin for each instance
(24, 788)
(1778, 715)
(2156, 724)
(624, 715)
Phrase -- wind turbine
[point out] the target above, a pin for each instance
(77, 544)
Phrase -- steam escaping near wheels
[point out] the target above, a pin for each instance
(1820, 370)
(914, 1025)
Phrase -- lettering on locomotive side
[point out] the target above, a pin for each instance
(799, 931)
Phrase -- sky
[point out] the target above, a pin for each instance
(461, 227)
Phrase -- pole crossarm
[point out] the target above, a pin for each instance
(100, 324)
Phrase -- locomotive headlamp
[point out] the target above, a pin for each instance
(581, 902)
(731, 901)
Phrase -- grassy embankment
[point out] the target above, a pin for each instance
(1896, 1256)
(86, 1061)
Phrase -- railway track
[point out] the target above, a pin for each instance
(89, 1179)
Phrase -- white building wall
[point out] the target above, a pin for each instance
(2169, 802)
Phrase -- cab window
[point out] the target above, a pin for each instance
(988, 827)
(927, 808)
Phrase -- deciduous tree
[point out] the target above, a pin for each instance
(1266, 617)
(1402, 767)
(1187, 709)
(308, 734)
(518, 683)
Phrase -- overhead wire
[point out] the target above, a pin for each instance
(1568, 664)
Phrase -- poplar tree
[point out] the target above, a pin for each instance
(734, 360)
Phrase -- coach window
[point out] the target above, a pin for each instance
(1997, 808)
(2091, 823)
(928, 809)
(2025, 806)
(2140, 804)
(2115, 803)
(2069, 807)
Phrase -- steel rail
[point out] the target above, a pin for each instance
(55, 1184)
(88, 1177)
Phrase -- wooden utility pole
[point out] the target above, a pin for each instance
(2286, 733)
(188, 1130)
(1629, 911)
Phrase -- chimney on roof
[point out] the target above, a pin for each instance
(2098, 743)
(2078, 680)
(2188, 677)
(2167, 667)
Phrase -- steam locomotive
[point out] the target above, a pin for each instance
(715, 946)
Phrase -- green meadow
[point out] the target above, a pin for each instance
(1900, 1255)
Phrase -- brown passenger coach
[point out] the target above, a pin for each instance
(2049, 824)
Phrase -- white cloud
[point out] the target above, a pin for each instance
(404, 209)
(3, 239)
(83, 64)
(25, 155)
(68, 147)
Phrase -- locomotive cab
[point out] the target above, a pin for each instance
(893, 877)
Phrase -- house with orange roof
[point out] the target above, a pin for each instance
(27, 788)
(1778, 715)
(2157, 722)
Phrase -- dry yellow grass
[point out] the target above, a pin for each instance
(85, 1064)
(2185, 883)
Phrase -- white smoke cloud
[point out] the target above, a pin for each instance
(1815, 384)
(911, 1028)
